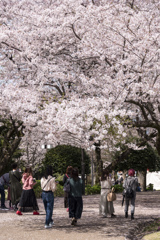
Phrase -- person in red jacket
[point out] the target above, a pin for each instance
(28, 198)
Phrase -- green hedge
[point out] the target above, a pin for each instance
(149, 187)
(92, 190)
(37, 189)
(118, 188)
(60, 193)
(96, 189)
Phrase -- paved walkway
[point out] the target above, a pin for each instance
(90, 227)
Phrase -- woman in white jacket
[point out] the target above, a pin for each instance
(105, 207)
(48, 186)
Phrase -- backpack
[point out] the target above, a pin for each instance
(128, 192)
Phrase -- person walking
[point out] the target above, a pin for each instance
(65, 177)
(28, 199)
(15, 185)
(48, 186)
(75, 196)
(105, 207)
(4, 180)
(131, 183)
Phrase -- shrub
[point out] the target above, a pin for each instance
(37, 189)
(92, 190)
(59, 178)
(118, 188)
(59, 191)
(150, 187)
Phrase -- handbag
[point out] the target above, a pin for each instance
(67, 187)
(111, 196)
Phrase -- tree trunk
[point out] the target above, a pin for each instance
(158, 143)
(83, 169)
(142, 180)
(99, 163)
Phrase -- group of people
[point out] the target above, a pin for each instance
(106, 207)
(24, 199)
(12, 180)
(25, 196)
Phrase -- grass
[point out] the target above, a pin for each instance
(152, 227)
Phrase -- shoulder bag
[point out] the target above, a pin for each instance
(111, 196)
(67, 187)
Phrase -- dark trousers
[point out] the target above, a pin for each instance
(2, 192)
(75, 207)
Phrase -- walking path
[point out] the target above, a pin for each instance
(90, 227)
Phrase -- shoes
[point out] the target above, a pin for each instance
(67, 209)
(4, 208)
(51, 224)
(126, 214)
(73, 222)
(15, 208)
(35, 213)
(47, 226)
(113, 215)
(132, 216)
(104, 216)
(19, 213)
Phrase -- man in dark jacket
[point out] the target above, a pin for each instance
(4, 180)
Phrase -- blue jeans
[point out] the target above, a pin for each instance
(2, 196)
(48, 200)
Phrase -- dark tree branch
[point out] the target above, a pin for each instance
(140, 106)
(62, 93)
(11, 46)
(77, 36)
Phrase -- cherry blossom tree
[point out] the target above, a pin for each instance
(79, 68)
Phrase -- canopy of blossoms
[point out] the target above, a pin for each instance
(79, 67)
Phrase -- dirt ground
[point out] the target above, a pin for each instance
(90, 227)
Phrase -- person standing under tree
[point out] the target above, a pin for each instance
(131, 182)
(65, 177)
(75, 197)
(105, 207)
(28, 199)
(48, 186)
(15, 185)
